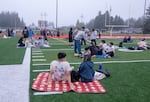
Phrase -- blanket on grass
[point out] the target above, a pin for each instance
(63, 86)
(128, 50)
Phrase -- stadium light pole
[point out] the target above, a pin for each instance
(144, 17)
(145, 8)
(56, 14)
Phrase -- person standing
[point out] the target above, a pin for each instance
(93, 36)
(9, 33)
(70, 37)
(26, 36)
(12, 33)
(31, 34)
(77, 44)
(25, 33)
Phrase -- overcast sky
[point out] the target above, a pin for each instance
(71, 10)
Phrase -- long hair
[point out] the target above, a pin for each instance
(87, 57)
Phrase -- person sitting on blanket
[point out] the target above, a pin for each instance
(124, 40)
(104, 44)
(21, 42)
(142, 45)
(110, 51)
(93, 49)
(100, 52)
(86, 69)
(60, 70)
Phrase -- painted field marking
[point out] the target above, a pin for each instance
(37, 56)
(44, 64)
(46, 93)
(43, 70)
(37, 53)
(57, 44)
(61, 40)
(38, 60)
(56, 49)
(36, 49)
(131, 61)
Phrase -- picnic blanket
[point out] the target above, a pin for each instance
(128, 50)
(63, 86)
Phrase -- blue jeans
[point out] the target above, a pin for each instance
(77, 46)
(101, 56)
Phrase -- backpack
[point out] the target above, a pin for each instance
(131, 48)
(104, 72)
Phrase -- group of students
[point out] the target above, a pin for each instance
(98, 51)
(27, 39)
(102, 50)
(141, 45)
(80, 36)
(61, 70)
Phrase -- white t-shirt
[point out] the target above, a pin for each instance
(142, 44)
(112, 48)
(105, 46)
(59, 69)
(94, 35)
(80, 34)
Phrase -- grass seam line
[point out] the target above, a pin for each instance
(131, 61)
(46, 93)
(43, 70)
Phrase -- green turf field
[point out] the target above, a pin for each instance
(129, 82)
(9, 54)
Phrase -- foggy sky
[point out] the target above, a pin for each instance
(71, 10)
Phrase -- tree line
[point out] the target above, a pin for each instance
(101, 20)
(10, 19)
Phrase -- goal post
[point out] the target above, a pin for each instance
(111, 26)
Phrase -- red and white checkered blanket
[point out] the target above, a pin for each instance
(63, 86)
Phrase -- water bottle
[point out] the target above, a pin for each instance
(100, 66)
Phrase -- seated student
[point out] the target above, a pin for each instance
(110, 51)
(104, 44)
(93, 49)
(129, 39)
(100, 52)
(125, 40)
(86, 50)
(121, 45)
(60, 70)
(86, 69)
(21, 42)
(46, 44)
(142, 45)
(40, 42)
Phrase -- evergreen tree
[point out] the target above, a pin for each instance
(146, 27)
(12, 19)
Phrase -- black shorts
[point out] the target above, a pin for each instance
(70, 40)
(26, 36)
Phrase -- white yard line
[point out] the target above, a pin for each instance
(43, 70)
(61, 40)
(34, 51)
(57, 44)
(55, 49)
(131, 61)
(37, 56)
(43, 64)
(37, 53)
(46, 93)
(36, 60)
